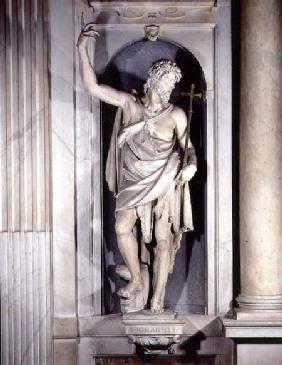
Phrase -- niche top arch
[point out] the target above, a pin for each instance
(133, 60)
(196, 37)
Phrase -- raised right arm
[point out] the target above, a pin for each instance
(103, 92)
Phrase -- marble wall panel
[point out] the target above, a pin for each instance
(62, 113)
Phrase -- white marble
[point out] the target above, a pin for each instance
(224, 211)
(259, 354)
(25, 224)
(24, 129)
(63, 159)
(88, 187)
(200, 42)
(188, 13)
(25, 278)
(261, 159)
(247, 328)
(65, 352)
(105, 335)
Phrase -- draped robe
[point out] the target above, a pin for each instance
(141, 169)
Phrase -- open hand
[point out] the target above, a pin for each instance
(87, 32)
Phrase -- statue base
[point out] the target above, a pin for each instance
(153, 333)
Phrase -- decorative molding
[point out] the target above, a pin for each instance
(173, 13)
(262, 303)
(106, 335)
(152, 32)
(153, 333)
(160, 12)
(133, 13)
(155, 344)
(254, 328)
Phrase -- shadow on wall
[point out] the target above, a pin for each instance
(128, 70)
(236, 34)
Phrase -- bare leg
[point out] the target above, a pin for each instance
(128, 246)
(161, 264)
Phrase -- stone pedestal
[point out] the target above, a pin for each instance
(261, 161)
(153, 333)
(201, 337)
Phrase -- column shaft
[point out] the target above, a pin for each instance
(261, 156)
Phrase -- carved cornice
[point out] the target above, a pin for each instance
(157, 12)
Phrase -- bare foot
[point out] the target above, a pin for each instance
(130, 289)
(156, 306)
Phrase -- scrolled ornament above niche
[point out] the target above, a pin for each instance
(133, 13)
(173, 13)
(158, 12)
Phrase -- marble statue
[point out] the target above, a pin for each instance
(144, 171)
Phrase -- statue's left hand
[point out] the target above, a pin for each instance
(186, 174)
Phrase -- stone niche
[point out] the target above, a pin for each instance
(197, 36)
(127, 70)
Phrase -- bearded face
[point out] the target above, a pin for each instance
(163, 76)
(164, 87)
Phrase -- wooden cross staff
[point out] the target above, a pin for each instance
(190, 112)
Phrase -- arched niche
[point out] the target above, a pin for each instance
(127, 70)
(211, 49)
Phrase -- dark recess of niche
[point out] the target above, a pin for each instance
(128, 70)
(236, 34)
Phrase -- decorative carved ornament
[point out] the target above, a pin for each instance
(152, 32)
(155, 344)
(153, 333)
(158, 12)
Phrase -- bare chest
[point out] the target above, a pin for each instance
(160, 126)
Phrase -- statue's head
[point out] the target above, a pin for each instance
(162, 77)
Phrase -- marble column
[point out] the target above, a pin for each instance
(261, 160)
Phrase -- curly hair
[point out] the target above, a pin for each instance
(156, 72)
